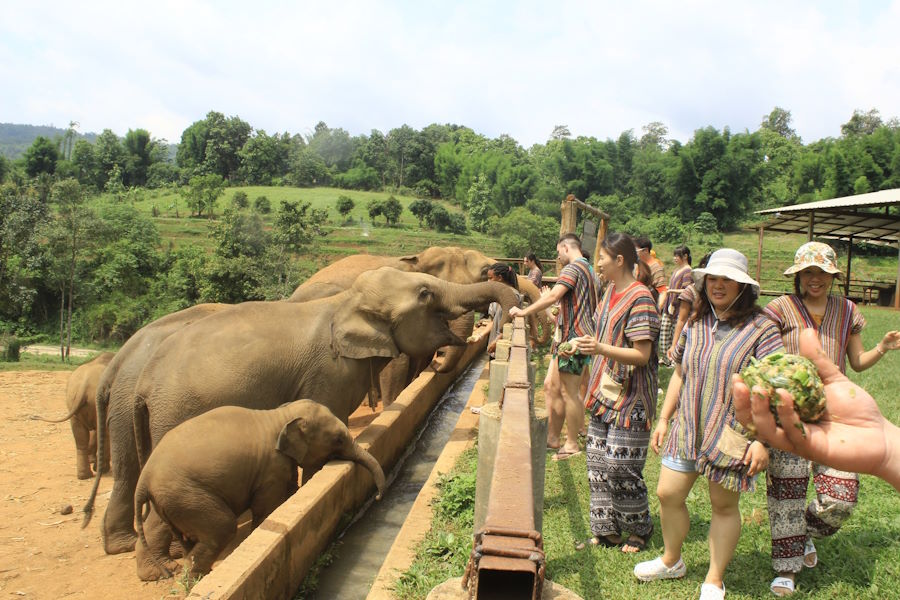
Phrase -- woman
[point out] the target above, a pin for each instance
(621, 398)
(838, 324)
(685, 304)
(504, 274)
(726, 329)
(678, 283)
(535, 271)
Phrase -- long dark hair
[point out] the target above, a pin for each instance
(683, 252)
(743, 309)
(531, 256)
(645, 277)
(621, 244)
(505, 272)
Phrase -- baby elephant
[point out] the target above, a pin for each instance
(81, 400)
(208, 470)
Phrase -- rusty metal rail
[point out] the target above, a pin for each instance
(507, 559)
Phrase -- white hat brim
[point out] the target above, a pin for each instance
(724, 271)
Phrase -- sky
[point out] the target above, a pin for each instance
(513, 67)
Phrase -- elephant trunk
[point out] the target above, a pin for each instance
(463, 298)
(358, 455)
(462, 327)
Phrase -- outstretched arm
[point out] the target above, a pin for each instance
(852, 434)
(860, 359)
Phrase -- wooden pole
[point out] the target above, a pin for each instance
(568, 221)
(812, 225)
(602, 228)
(897, 287)
(759, 256)
(849, 260)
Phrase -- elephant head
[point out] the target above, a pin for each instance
(316, 435)
(457, 265)
(389, 311)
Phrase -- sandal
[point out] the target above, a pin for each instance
(635, 541)
(565, 455)
(782, 586)
(597, 540)
(810, 556)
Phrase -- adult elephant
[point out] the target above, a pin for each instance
(115, 428)
(263, 354)
(81, 397)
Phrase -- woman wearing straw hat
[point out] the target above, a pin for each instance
(726, 329)
(838, 324)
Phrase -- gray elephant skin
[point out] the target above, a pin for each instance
(199, 481)
(81, 402)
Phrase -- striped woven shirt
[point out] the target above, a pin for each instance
(841, 320)
(576, 307)
(705, 407)
(633, 317)
(680, 280)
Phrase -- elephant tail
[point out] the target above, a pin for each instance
(103, 391)
(141, 509)
(141, 429)
(71, 414)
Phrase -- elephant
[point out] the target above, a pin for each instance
(115, 429)
(199, 481)
(81, 396)
(263, 354)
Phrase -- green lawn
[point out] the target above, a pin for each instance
(859, 562)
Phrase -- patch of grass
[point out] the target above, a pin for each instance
(43, 362)
(858, 562)
(311, 582)
(445, 550)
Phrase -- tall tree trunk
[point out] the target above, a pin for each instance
(62, 317)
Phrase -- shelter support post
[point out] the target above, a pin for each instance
(811, 226)
(759, 253)
(849, 260)
(897, 286)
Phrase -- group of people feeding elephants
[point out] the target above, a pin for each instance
(712, 325)
(179, 392)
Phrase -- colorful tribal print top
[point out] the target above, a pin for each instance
(704, 428)
(536, 276)
(621, 321)
(680, 280)
(841, 320)
(576, 308)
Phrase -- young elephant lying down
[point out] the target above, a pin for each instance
(208, 470)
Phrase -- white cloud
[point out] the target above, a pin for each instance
(516, 68)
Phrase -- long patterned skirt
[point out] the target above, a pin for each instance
(666, 331)
(615, 464)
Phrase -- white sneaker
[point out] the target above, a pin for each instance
(709, 591)
(652, 570)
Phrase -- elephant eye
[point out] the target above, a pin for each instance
(425, 295)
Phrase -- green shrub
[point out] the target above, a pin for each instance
(345, 204)
(12, 349)
(240, 200)
(262, 205)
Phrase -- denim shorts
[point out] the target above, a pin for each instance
(681, 465)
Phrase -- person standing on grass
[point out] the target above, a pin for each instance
(685, 305)
(621, 398)
(670, 301)
(726, 329)
(535, 271)
(577, 297)
(657, 269)
(838, 324)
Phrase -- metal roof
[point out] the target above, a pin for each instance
(841, 218)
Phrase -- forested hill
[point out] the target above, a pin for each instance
(15, 138)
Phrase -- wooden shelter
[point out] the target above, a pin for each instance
(569, 223)
(865, 217)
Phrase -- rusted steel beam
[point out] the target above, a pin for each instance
(507, 559)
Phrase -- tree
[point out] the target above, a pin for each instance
(375, 208)
(655, 136)
(41, 157)
(239, 200)
(522, 231)
(439, 218)
(391, 209)
(421, 209)
(86, 165)
(22, 218)
(297, 224)
(779, 121)
(203, 192)
(262, 205)
(213, 145)
(345, 204)
(140, 154)
(560, 132)
(109, 153)
(862, 123)
(264, 158)
(480, 203)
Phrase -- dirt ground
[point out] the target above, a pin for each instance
(43, 553)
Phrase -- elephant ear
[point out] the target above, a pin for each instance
(411, 260)
(357, 333)
(292, 440)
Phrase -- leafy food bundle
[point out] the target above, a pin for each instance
(793, 373)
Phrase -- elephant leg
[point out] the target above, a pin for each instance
(392, 379)
(153, 561)
(92, 447)
(82, 449)
(213, 525)
(118, 521)
(266, 501)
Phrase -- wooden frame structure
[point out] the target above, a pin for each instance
(865, 217)
(569, 223)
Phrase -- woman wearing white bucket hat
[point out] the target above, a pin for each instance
(838, 324)
(725, 330)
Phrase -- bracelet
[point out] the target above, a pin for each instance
(879, 350)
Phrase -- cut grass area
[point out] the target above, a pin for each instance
(44, 362)
(860, 561)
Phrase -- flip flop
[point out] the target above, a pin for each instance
(639, 543)
(810, 556)
(597, 540)
(782, 586)
(565, 455)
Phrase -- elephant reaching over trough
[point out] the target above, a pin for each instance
(81, 400)
(115, 427)
(199, 481)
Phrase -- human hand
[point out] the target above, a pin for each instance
(659, 435)
(586, 344)
(851, 435)
(515, 311)
(890, 341)
(757, 457)
(670, 354)
(566, 349)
